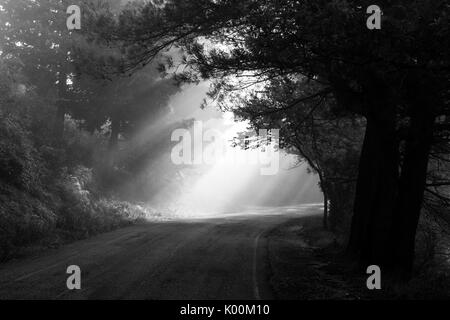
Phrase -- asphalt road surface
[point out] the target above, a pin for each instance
(202, 258)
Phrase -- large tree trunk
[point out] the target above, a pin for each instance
(377, 182)
(413, 178)
(388, 203)
(411, 191)
(376, 191)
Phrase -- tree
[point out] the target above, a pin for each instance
(396, 78)
(34, 32)
(329, 141)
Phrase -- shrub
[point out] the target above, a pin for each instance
(20, 164)
(24, 221)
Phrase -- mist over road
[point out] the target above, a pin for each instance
(223, 257)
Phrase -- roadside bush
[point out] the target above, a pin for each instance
(24, 221)
(80, 216)
(74, 212)
(48, 195)
(20, 164)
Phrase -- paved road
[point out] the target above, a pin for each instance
(204, 258)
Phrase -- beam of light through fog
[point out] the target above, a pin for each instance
(223, 186)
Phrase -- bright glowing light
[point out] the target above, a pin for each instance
(229, 185)
(224, 186)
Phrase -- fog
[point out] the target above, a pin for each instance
(208, 189)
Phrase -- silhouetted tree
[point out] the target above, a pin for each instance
(396, 78)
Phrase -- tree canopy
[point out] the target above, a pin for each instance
(396, 78)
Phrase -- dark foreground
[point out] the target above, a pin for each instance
(225, 257)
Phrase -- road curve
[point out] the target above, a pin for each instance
(204, 258)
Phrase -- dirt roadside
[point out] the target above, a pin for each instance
(307, 263)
